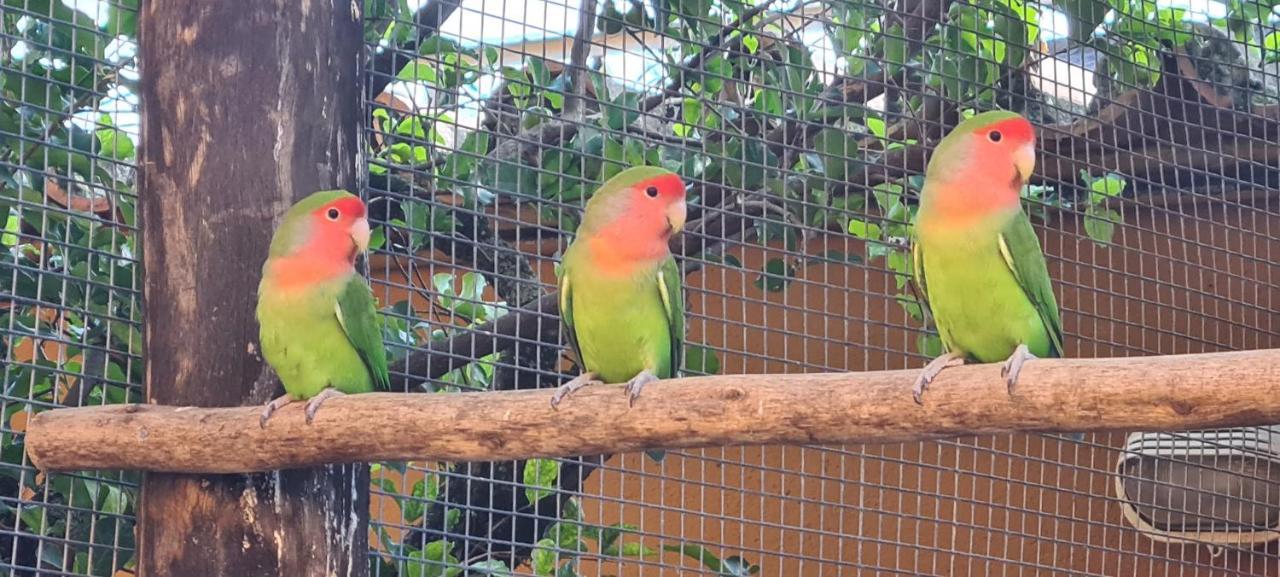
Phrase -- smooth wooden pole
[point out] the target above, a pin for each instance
(1064, 395)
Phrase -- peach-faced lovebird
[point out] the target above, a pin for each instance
(318, 321)
(976, 257)
(620, 288)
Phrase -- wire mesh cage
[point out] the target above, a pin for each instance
(802, 130)
(70, 299)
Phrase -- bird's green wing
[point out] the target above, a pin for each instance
(669, 285)
(917, 267)
(921, 291)
(1021, 251)
(358, 314)
(566, 316)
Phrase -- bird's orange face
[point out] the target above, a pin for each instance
(980, 173)
(338, 229)
(1013, 139)
(656, 205)
(638, 226)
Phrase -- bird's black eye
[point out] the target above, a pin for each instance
(995, 136)
(332, 214)
(652, 191)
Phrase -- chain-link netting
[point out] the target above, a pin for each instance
(70, 293)
(802, 130)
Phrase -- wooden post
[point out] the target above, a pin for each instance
(247, 107)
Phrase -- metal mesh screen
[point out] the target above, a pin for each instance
(70, 293)
(802, 129)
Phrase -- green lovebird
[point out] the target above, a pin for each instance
(620, 288)
(976, 258)
(318, 321)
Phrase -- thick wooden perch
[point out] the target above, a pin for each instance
(1148, 393)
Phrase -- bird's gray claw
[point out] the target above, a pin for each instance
(636, 384)
(930, 371)
(569, 388)
(271, 407)
(313, 405)
(1013, 366)
(917, 392)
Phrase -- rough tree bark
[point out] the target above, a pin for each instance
(1175, 392)
(248, 106)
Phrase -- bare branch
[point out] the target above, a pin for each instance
(1177, 392)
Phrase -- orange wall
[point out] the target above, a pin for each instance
(1188, 278)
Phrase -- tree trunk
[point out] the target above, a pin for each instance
(247, 107)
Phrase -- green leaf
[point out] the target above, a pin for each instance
(614, 161)
(490, 567)
(691, 111)
(837, 151)
(751, 43)
(114, 501)
(717, 69)
(701, 360)
(572, 511)
(895, 49)
(1271, 47)
(769, 101)
(439, 45)
(545, 558)
(11, 227)
(418, 71)
(540, 476)
(929, 345)
(433, 560)
(910, 305)
(566, 535)
(697, 553)
(609, 537)
(1106, 187)
(637, 550)
(888, 196)
(900, 264)
(122, 18)
(413, 509)
(1100, 224)
(745, 162)
(776, 276)
(863, 229)
(623, 111)
(876, 126)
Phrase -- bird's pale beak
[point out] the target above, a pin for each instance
(676, 214)
(1024, 159)
(360, 234)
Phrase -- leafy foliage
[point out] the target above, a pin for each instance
(738, 103)
(69, 330)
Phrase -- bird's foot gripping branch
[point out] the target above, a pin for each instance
(1178, 392)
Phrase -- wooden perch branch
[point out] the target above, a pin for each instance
(1149, 393)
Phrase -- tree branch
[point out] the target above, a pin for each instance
(574, 107)
(384, 66)
(1177, 392)
(697, 61)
